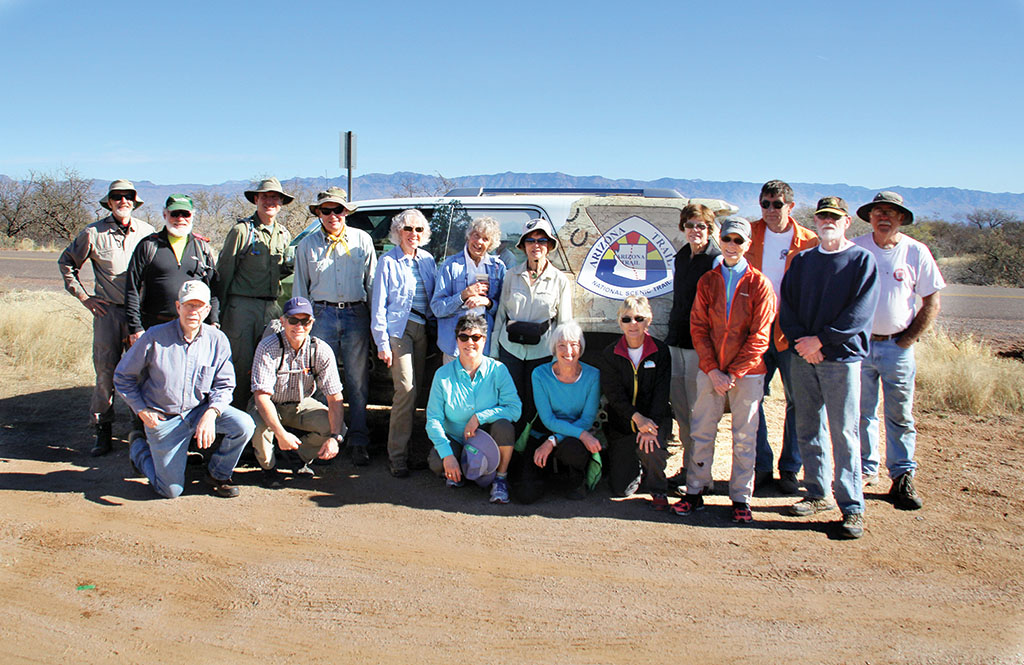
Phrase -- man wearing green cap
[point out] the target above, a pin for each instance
(254, 258)
(108, 244)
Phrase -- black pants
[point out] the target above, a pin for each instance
(627, 464)
(528, 481)
(522, 376)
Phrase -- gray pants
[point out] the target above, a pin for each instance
(683, 393)
(243, 321)
(109, 335)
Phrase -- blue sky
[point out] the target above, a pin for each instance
(872, 93)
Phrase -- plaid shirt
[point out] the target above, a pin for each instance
(299, 374)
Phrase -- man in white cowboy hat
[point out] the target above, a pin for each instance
(906, 269)
(255, 257)
(334, 269)
(108, 244)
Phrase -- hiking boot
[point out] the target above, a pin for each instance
(102, 444)
(659, 502)
(222, 488)
(689, 504)
(903, 494)
(788, 484)
(360, 456)
(870, 480)
(499, 490)
(852, 526)
(272, 479)
(807, 506)
(741, 513)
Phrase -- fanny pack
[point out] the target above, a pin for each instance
(526, 332)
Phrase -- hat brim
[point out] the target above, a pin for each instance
(865, 211)
(250, 195)
(105, 201)
(551, 241)
(488, 448)
(834, 211)
(315, 207)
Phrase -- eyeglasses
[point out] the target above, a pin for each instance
(177, 214)
(119, 197)
(773, 204)
(332, 211)
(700, 226)
(299, 321)
(531, 241)
(735, 240)
(638, 319)
(463, 337)
(413, 229)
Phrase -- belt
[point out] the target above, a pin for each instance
(885, 338)
(341, 305)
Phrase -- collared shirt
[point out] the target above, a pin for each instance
(455, 397)
(453, 276)
(109, 246)
(254, 258)
(301, 372)
(394, 290)
(335, 276)
(162, 371)
(548, 297)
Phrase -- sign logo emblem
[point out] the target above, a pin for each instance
(632, 257)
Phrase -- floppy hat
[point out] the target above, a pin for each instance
(738, 225)
(269, 185)
(120, 186)
(893, 199)
(480, 458)
(297, 305)
(194, 290)
(178, 202)
(332, 195)
(832, 204)
(542, 225)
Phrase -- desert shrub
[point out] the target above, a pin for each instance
(961, 373)
(47, 333)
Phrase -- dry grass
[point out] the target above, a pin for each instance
(47, 333)
(960, 373)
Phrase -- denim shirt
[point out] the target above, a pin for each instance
(447, 305)
(394, 287)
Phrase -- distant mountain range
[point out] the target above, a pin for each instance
(949, 203)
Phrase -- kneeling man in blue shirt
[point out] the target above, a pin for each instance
(179, 379)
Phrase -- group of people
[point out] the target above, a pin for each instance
(198, 346)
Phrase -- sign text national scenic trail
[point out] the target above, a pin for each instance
(632, 257)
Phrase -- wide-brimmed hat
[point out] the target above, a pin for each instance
(893, 199)
(332, 195)
(832, 204)
(480, 458)
(120, 186)
(542, 225)
(269, 185)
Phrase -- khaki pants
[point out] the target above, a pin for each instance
(683, 393)
(243, 320)
(308, 416)
(408, 354)
(108, 343)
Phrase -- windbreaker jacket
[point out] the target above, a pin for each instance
(735, 341)
(642, 389)
(803, 238)
(394, 287)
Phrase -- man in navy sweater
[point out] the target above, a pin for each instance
(827, 304)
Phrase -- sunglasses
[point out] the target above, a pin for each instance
(299, 321)
(701, 226)
(463, 337)
(638, 319)
(735, 240)
(181, 213)
(119, 197)
(772, 204)
(530, 241)
(413, 229)
(331, 211)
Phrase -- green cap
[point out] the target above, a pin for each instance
(179, 202)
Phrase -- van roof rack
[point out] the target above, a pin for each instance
(650, 192)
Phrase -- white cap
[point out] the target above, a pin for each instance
(194, 290)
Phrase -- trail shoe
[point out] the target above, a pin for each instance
(788, 484)
(852, 526)
(222, 488)
(808, 506)
(102, 444)
(870, 480)
(360, 456)
(903, 494)
(689, 504)
(499, 490)
(659, 502)
(741, 513)
(454, 484)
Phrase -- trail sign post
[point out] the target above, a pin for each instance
(347, 152)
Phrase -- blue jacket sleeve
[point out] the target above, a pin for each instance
(435, 418)
(447, 298)
(378, 306)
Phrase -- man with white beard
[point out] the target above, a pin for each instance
(163, 262)
(827, 304)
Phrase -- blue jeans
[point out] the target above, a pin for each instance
(162, 455)
(347, 331)
(789, 456)
(896, 368)
(835, 385)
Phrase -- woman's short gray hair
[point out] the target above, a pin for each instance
(637, 305)
(569, 331)
(409, 217)
(489, 228)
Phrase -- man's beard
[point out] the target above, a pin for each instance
(830, 235)
(179, 232)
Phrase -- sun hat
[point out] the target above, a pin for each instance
(120, 186)
(542, 225)
(178, 202)
(480, 458)
(331, 195)
(194, 290)
(832, 204)
(893, 199)
(738, 225)
(269, 185)
(297, 305)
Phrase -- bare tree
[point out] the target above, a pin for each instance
(15, 206)
(46, 206)
(990, 218)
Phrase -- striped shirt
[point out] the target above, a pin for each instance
(298, 376)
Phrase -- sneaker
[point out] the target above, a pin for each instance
(222, 488)
(454, 484)
(852, 526)
(690, 503)
(272, 479)
(305, 470)
(788, 484)
(808, 506)
(659, 502)
(499, 490)
(870, 479)
(102, 444)
(360, 456)
(903, 494)
(741, 513)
